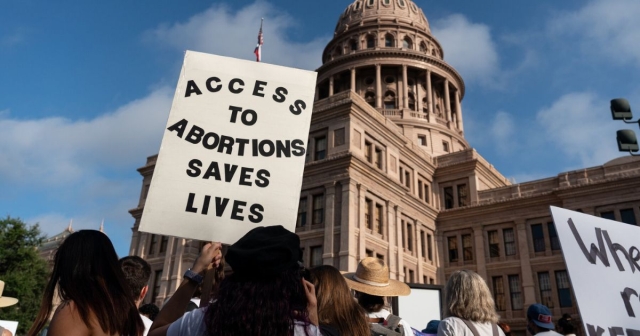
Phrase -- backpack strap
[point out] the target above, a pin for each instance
(471, 327)
(495, 329)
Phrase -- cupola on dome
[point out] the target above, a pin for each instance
(362, 12)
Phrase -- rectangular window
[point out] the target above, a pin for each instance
(432, 281)
(407, 179)
(379, 215)
(429, 247)
(378, 158)
(318, 209)
(156, 286)
(316, 256)
(409, 237)
(369, 252)
(154, 242)
(422, 140)
(302, 213)
(420, 189)
(608, 215)
(422, 245)
(545, 289)
(498, 293)
(163, 244)
(627, 216)
(553, 236)
(494, 244)
(453, 248)
(368, 151)
(564, 288)
(411, 276)
(403, 230)
(462, 195)
(509, 242)
(516, 292)
(380, 256)
(467, 247)
(538, 238)
(445, 146)
(321, 148)
(368, 221)
(338, 137)
(426, 193)
(448, 198)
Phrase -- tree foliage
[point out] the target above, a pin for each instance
(25, 274)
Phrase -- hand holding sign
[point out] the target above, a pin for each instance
(232, 154)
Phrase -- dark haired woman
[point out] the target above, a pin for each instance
(336, 307)
(265, 296)
(95, 296)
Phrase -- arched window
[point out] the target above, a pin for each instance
(433, 52)
(390, 100)
(406, 43)
(370, 2)
(401, 3)
(353, 45)
(371, 42)
(386, 2)
(388, 41)
(357, 5)
(370, 98)
(423, 47)
(412, 102)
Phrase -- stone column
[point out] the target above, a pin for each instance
(348, 222)
(330, 86)
(430, 97)
(391, 235)
(418, 244)
(362, 253)
(329, 217)
(447, 99)
(405, 90)
(178, 268)
(400, 254)
(528, 285)
(439, 256)
(378, 86)
(142, 246)
(459, 110)
(478, 234)
(353, 79)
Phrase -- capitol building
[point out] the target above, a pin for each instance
(390, 174)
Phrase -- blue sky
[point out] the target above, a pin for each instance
(86, 87)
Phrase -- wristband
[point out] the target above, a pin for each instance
(193, 276)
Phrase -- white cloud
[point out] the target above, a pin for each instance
(608, 28)
(218, 30)
(469, 47)
(502, 131)
(59, 151)
(11, 40)
(579, 125)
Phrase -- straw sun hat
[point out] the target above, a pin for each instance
(6, 301)
(372, 277)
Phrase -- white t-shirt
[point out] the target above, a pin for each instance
(453, 326)
(384, 313)
(192, 324)
(549, 333)
(147, 324)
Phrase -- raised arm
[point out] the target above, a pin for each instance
(175, 308)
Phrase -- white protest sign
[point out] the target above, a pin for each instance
(233, 151)
(603, 259)
(12, 326)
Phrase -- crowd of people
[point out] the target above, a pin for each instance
(268, 292)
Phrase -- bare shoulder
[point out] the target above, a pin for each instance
(67, 321)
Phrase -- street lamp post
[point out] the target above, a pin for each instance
(627, 140)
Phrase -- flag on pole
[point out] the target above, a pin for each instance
(258, 50)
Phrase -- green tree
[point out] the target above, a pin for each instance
(25, 274)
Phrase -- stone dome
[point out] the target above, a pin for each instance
(362, 12)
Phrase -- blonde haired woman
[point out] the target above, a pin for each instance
(469, 307)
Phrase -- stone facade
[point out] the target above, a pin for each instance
(389, 174)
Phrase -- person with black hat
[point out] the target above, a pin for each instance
(539, 321)
(266, 294)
